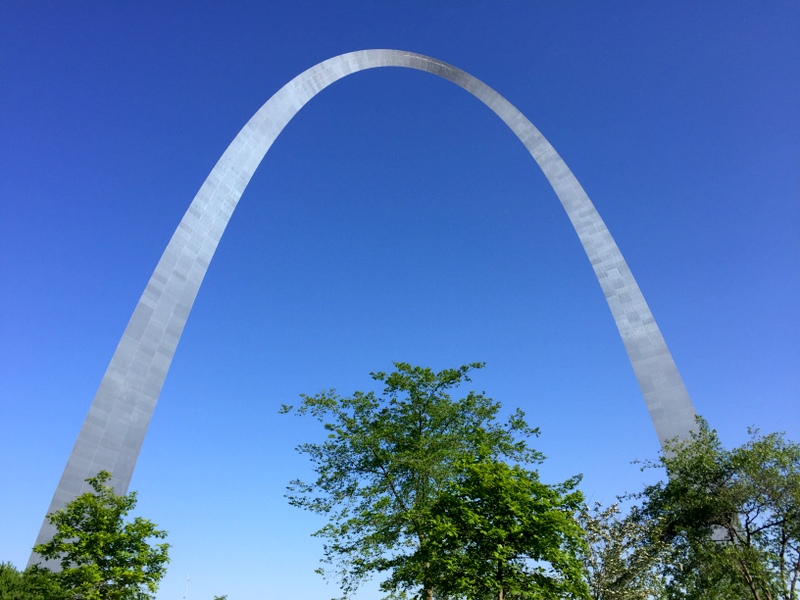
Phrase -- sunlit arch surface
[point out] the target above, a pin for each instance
(114, 429)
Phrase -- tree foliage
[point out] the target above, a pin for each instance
(622, 561)
(31, 584)
(398, 473)
(101, 556)
(497, 531)
(732, 517)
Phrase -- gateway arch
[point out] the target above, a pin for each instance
(112, 434)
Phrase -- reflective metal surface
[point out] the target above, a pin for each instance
(115, 427)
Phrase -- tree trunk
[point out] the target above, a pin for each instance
(428, 593)
(500, 578)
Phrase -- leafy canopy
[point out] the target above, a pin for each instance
(395, 474)
(622, 561)
(497, 531)
(31, 584)
(101, 556)
(732, 517)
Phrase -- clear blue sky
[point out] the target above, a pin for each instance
(395, 219)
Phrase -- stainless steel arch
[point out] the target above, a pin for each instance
(114, 429)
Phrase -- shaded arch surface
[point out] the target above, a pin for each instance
(112, 434)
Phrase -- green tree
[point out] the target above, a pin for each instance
(101, 556)
(732, 517)
(10, 582)
(386, 467)
(499, 532)
(622, 561)
(30, 584)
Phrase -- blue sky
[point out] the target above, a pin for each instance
(395, 219)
